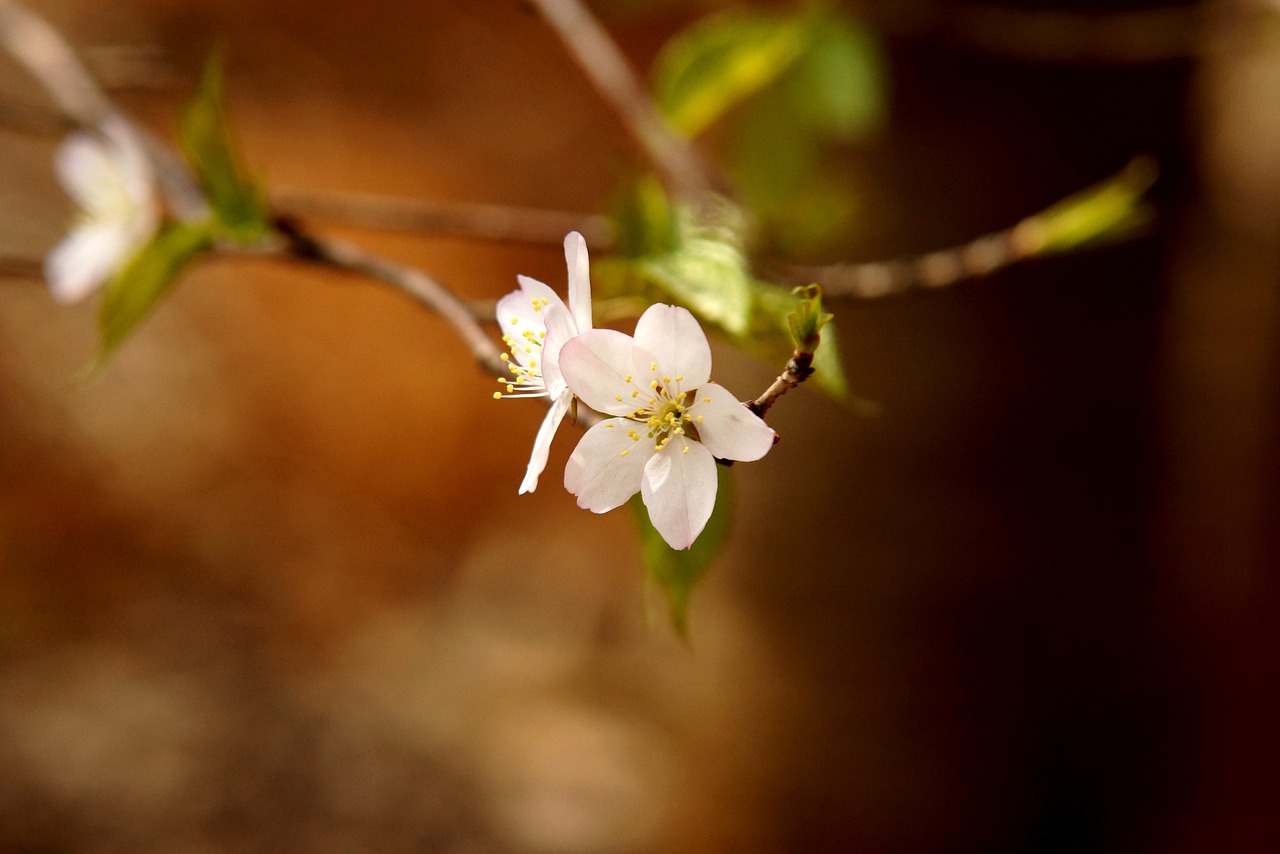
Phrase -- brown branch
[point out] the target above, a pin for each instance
(502, 223)
(799, 368)
(683, 172)
(410, 281)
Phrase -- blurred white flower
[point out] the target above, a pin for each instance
(536, 324)
(109, 177)
(671, 423)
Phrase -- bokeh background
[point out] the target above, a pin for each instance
(266, 584)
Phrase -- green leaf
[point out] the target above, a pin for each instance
(807, 320)
(709, 276)
(206, 138)
(677, 572)
(837, 88)
(644, 219)
(771, 340)
(720, 60)
(784, 153)
(1108, 209)
(135, 290)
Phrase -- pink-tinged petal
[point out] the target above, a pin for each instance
(604, 471)
(84, 260)
(542, 443)
(596, 365)
(679, 488)
(576, 259)
(560, 330)
(727, 428)
(677, 342)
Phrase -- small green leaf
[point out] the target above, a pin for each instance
(807, 320)
(206, 138)
(837, 87)
(1105, 210)
(644, 219)
(677, 572)
(135, 290)
(771, 340)
(720, 60)
(709, 276)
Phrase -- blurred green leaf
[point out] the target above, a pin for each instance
(720, 60)
(707, 275)
(206, 138)
(677, 572)
(644, 219)
(136, 289)
(784, 153)
(1108, 209)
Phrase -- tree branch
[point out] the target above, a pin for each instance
(417, 285)
(501, 223)
(682, 171)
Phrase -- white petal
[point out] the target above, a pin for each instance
(596, 365)
(576, 259)
(83, 166)
(677, 342)
(84, 260)
(130, 155)
(560, 330)
(679, 489)
(542, 443)
(521, 312)
(604, 471)
(729, 429)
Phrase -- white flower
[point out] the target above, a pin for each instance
(536, 324)
(671, 423)
(109, 178)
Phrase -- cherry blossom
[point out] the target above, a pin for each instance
(669, 426)
(108, 176)
(536, 325)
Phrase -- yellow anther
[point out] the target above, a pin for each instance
(497, 395)
(624, 452)
(685, 449)
(515, 321)
(680, 379)
(504, 357)
(706, 400)
(699, 419)
(618, 398)
(653, 384)
(635, 393)
(628, 379)
(666, 380)
(653, 366)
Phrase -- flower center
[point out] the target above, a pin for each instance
(526, 370)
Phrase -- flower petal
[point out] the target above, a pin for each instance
(677, 343)
(522, 313)
(679, 488)
(729, 429)
(597, 365)
(560, 330)
(84, 260)
(83, 166)
(604, 471)
(576, 259)
(542, 443)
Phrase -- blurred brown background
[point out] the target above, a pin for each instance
(266, 584)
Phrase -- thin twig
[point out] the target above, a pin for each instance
(412, 282)
(501, 223)
(82, 102)
(683, 173)
(1029, 238)
(799, 368)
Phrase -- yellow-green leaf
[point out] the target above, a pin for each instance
(675, 572)
(205, 134)
(720, 60)
(135, 290)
